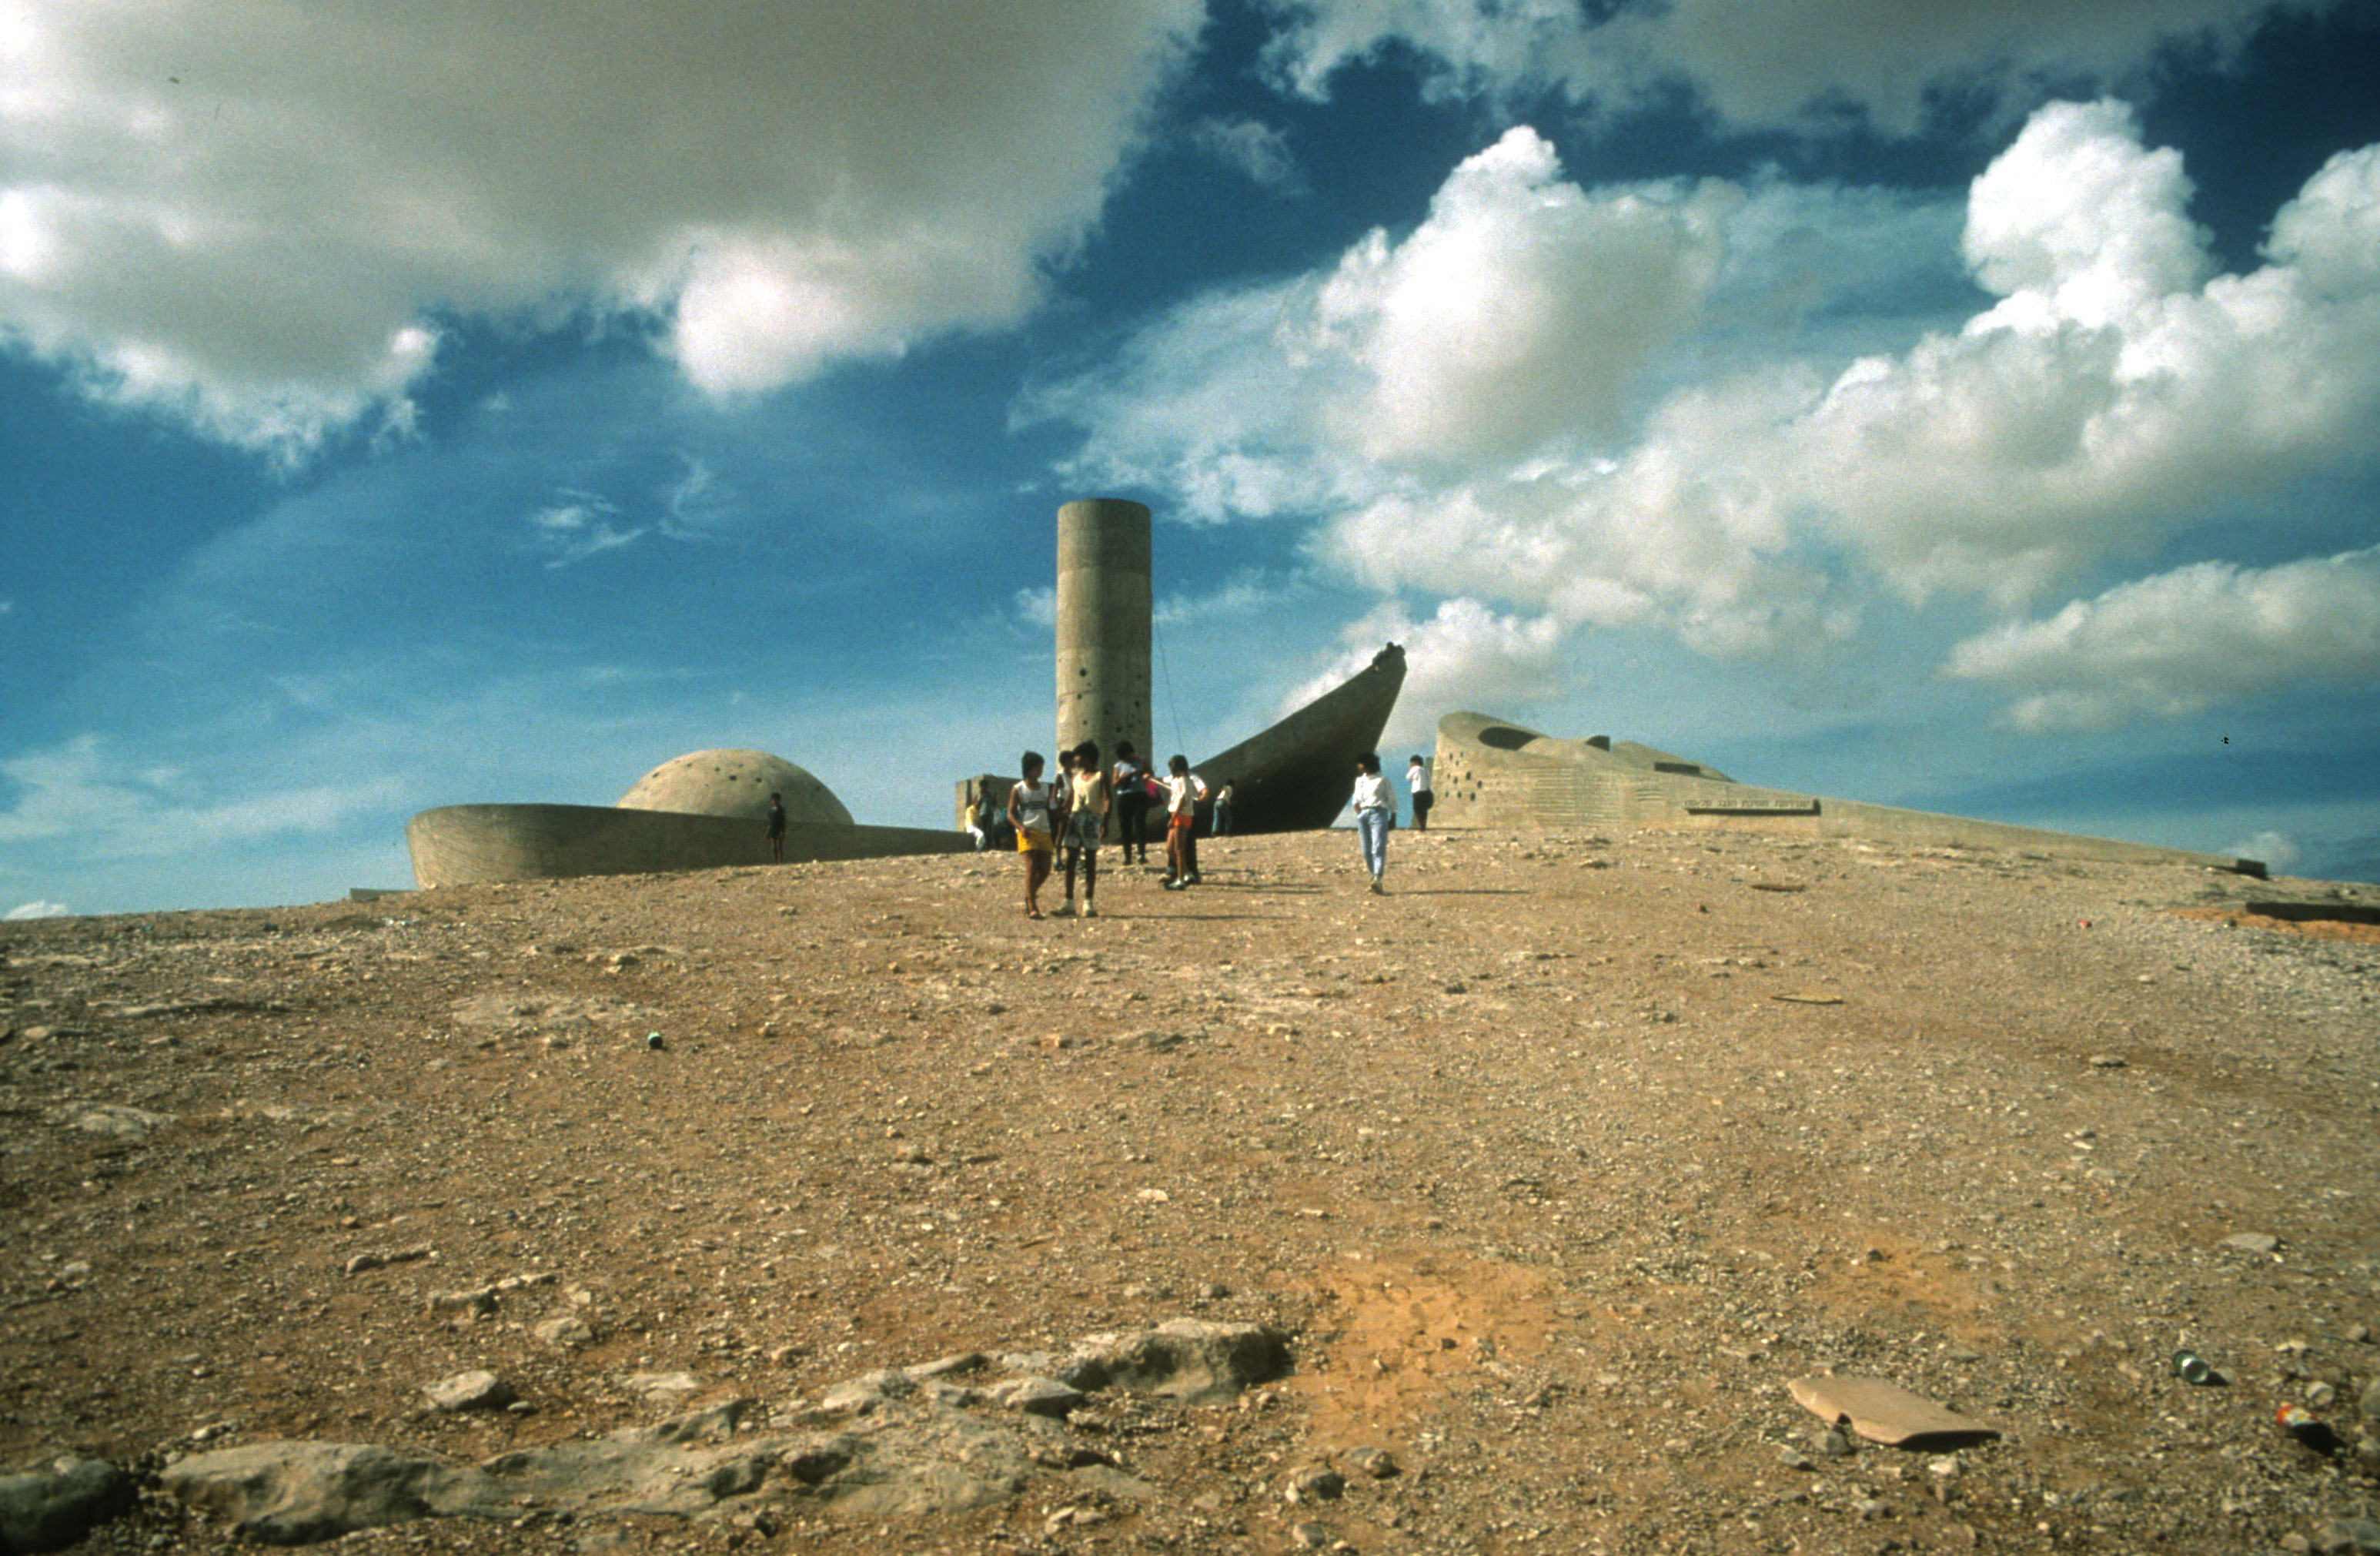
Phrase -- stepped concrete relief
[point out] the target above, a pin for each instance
(1493, 772)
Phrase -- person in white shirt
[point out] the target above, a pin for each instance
(1375, 812)
(1417, 786)
(1181, 817)
(1028, 812)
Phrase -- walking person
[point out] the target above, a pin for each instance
(1131, 791)
(777, 827)
(1028, 812)
(1087, 818)
(1417, 786)
(1181, 819)
(1190, 837)
(1375, 812)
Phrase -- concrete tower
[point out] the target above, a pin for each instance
(1103, 624)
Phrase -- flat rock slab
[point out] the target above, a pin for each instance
(1885, 1413)
(49, 1509)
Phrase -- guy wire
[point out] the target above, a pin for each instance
(1173, 704)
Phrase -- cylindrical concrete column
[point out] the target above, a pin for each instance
(1103, 624)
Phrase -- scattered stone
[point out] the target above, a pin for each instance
(950, 1366)
(1195, 1360)
(296, 1493)
(2252, 1242)
(1377, 1462)
(478, 1390)
(1310, 1537)
(362, 1262)
(857, 1396)
(2348, 1536)
(1793, 1458)
(567, 1332)
(2370, 1403)
(665, 1389)
(1315, 1483)
(2107, 1061)
(480, 1302)
(51, 1509)
(110, 1119)
(1885, 1413)
(1039, 1397)
(1833, 1444)
(2319, 1394)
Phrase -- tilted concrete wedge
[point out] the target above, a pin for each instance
(1493, 772)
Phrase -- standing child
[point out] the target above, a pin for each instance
(1181, 817)
(1087, 818)
(1376, 808)
(1131, 791)
(1028, 812)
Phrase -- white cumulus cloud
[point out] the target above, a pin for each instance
(1257, 150)
(2185, 640)
(1801, 64)
(84, 794)
(249, 214)
(1423, 402)
(36, 909)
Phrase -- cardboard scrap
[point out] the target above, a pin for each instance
(1809, 997)
(1884, 1413)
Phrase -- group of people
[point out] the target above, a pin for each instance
(1068, 816)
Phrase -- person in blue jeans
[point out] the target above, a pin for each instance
(1376, 810)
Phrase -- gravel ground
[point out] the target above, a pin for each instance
(1548, 1182)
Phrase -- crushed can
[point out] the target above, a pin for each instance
(2307, 1427)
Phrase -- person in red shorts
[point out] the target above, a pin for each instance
(1180, 816)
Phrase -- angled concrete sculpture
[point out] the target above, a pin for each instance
(1493, 772)
(1299, 774)
(699, 812)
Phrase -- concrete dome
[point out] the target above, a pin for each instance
(734, 783)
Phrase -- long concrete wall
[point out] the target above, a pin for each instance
(463, 844)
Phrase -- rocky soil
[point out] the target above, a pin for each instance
(790, 1195)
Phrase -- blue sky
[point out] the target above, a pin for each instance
(1969, 408)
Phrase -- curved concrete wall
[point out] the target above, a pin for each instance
(462, 844)
(1103, 626)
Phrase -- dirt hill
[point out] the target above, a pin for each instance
(1551, 1168)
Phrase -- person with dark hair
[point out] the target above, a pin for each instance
(1028, 812)
(1181, 818)
(777, 827)
(1087, 818)
(1131, 789)
(1220, 824)
(1376, 809)
(1417, 786)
